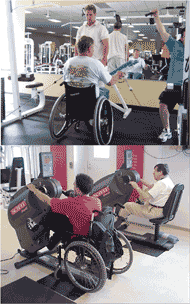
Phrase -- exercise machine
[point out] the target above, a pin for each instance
(28, 54)
(37, 95)
(82, 261)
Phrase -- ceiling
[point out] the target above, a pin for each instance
(132, 11)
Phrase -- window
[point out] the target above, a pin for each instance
(101, 152)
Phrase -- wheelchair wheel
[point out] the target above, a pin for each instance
(58, 124)
(85, 266)
(103, 121)
(125, 261)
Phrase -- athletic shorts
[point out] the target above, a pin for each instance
(171, 97)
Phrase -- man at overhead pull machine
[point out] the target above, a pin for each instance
(151, 200)
(172, 94)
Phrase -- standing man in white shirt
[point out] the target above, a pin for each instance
(135, 72)
(118, 47)
(98, 32)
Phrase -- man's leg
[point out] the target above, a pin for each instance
(165, 118)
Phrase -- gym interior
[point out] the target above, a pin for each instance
(155, 271)
(32, 67)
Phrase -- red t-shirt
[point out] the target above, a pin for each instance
(78, 210)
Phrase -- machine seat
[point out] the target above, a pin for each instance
(34, 85)
(169, 209)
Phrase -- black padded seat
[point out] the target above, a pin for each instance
(169, 210)
(34, 85)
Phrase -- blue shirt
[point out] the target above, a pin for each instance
(176, 49)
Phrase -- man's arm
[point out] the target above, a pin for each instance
(42, 196)
(146, 183)
(76, 50)
(145, 196)
(105, 43)
(160, 27)
(115, 78)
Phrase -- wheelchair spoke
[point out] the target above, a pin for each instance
(104, 122)
(84, 266)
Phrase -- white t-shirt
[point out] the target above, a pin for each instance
(161, 191)
(82, 71)
(137, 68)
(97, 32)
(117, 43)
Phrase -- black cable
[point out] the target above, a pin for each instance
(162, 157)
(4, 271)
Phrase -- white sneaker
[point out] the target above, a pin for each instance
(168, 135)
(162, 134)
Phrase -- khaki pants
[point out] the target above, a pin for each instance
(146, 210)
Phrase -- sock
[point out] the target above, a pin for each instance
(168, 129)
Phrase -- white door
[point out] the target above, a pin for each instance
(96, 161)
(101, 161)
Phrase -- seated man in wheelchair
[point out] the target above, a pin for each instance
(83, 70)
(72, 214)
(152, 200)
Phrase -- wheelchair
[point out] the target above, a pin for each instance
(80, 104)
(85, 265)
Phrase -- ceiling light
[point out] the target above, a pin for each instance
(141, 35)
(130, 25)
(32, 28)
(145, 37)
(106, 17)
(76, 27)
(152, 39)
(66, 35)
(139, 39)
(54, 20)
(51, 32)
(28, 12)
(136, 31)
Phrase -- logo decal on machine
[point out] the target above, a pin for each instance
(105, 191)
(18, 208)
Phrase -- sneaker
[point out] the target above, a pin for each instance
(168, 135)
(165, 135)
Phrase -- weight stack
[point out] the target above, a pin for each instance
(2, 99)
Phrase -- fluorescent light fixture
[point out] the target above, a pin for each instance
(51, 32)
(130, 25)
(32, 28)
(152, 39)
(66, 35)
(28, 12)
(105, 17)
(76, 27)
(54, 20)
(139, 39)
(141, 35)
(145, 37)
(136, 31)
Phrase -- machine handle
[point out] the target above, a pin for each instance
(117, 204)
(62, 83)
(149, 14)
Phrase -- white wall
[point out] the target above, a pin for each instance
(179, 165)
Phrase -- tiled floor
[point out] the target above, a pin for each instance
(163, 279)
